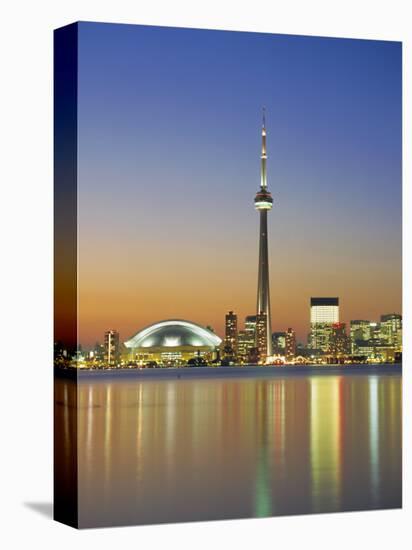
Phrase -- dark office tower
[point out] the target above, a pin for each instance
(111, 347)
(278, 343)
(338, 340)
(262, 340)
(360, 329)
(231, 334)
(324, 312)
(359, 332)
(263, 203)
(290, 344)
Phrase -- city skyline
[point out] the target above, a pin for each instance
(165, 224)
(177, 342)
(241, 325)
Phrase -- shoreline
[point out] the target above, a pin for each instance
(229, 372)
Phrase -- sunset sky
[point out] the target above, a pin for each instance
(169, 161)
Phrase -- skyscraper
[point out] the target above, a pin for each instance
(111, 347)
(338, 341)
(246, 338)
(263, 203)
(278, 343)
(244, 344)
(231, 334)
(391, 330)
(250, 326)
(324, 312)
(250, 336)
(290, 344)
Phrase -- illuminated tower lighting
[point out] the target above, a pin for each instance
(263, 203)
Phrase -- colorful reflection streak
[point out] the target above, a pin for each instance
(184, 450)
(326, 416)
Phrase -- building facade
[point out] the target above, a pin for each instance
(231, 334)
(376, 350)
(290, 345)
(359, 332)
(378, 341)
(245, 342)
(324, 313)
(339, 343)
(111, 347)
(391, 330)
(250, 325)
(278, 343)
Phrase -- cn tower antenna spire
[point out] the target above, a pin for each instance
(263, 176)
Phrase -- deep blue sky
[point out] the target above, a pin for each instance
(169, 124)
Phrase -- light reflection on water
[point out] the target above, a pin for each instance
(180, 450)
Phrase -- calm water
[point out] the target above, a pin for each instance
(180, 450)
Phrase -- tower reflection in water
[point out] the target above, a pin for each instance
(183, 450)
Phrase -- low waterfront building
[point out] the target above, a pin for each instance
(173, 342)
(376, 350)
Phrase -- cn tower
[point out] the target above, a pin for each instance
(263, 203)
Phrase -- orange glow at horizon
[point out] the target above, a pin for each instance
(128, 293)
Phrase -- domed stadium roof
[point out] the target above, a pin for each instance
(174, 333)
